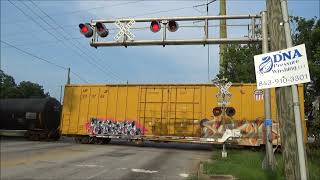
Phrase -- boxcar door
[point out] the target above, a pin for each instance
(185, 111)
(153, 111)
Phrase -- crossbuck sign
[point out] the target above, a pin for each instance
(223, 96)
(124, 30)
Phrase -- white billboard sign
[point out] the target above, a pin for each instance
(282, 68)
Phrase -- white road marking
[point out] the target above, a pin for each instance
(121, 168)
(184, 175)
(88, 165)
(98, 174)
(143, 171)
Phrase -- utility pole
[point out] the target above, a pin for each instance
(68, 80)
(61, 94)
(223, 31)
(286, 115)
(268, 162)
(208, 44)
(295, 96)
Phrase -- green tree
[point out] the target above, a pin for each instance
(25, 89)
(307, 31)
(8, 87)
(238, 59)
(238, 63)
(29, 89)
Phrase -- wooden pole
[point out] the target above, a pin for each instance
(223, 31)
(284, 96)
(68, 78)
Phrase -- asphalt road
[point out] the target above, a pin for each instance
(64, 159)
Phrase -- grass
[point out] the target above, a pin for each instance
(247, 164)
(313, 158)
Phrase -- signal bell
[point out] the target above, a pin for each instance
(155, 26)
(102, 30)
(86, 30)
(173, 26)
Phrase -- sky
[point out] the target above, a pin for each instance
(49, 30)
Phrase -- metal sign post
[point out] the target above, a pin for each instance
(223, 99)
(268, 162)
(295, 96)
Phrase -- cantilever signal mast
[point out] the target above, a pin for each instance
(166, 25)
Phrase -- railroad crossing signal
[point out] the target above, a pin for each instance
(173, 26)
(86, 29)
(102, 30)
(155, 26)
(165, 24)
(223, 96)
(124, 30)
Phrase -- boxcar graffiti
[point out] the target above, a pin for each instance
(166, 112)
(112, 128)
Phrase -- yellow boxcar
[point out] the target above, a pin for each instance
(166, 112)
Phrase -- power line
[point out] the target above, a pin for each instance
(32, 19)
(78, 11)
(72, 72)
(52, 63)
(97, 66)
(42, 59)
(60, 27)
(204, 4)
(36, 43)
(109, 70)
(143, 14)
(169, 10)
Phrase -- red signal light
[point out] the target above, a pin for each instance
(86, 30)
(217, 111)
(155, 26)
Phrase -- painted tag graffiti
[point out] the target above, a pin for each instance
(113, 128)
(252, 131)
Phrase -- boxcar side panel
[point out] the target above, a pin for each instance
(66, 110)
(167, 111)
(77, 94)
(86, 100)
